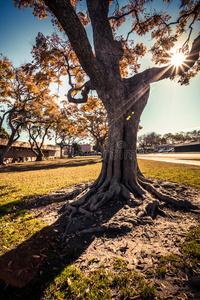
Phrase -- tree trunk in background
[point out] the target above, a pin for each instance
(40, 155)
(11, 140)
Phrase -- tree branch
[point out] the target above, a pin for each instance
(123, 15)
(66, 15)
(85, 91)
(156, 74)
(18, 135)
(108, 51)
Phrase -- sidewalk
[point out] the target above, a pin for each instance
(180, 158)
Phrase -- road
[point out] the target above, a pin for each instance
(181, 158)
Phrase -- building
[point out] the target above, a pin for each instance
(182, 147)
(86, 148)
(21, 151)
(188, 147)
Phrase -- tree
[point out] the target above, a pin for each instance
(38, 131)
(192, 135)
(67, 129)
(94, 117)
(149, 140)
(76, 149)
(107, 65)
(24, 98)
(35, 133)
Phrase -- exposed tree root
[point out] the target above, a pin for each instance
(171, 200)
(142, 197)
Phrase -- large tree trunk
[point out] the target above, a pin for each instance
(120, 157)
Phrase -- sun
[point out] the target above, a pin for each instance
(177, 59)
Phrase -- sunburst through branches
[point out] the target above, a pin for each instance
(177, 58)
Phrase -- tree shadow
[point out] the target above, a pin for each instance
(32, 265)
(9, 191)
(48, 165)
(7, 207)
(33, 202)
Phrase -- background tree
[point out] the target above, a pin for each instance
(38, 131)
(67, 129)
(107, 62)
(153, 139)
(23, 92)
(91, 118)
(149, 140)
(94, 117)
(76, 149)
(192, 135)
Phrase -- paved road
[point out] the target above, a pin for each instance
(181, 158)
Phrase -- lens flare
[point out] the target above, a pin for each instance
(177, 59)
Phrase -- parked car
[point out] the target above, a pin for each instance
(171, 150)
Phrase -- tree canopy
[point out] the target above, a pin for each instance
(137, 18)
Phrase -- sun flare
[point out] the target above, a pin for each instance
(177, 59)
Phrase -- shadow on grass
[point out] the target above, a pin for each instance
(46, 165)
(34, 201)
(9, 190)
(29, 268)
(6, 206)
(11, 207)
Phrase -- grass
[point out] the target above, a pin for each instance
(21, 181)
(72, 283)
(16, 229)
(31, 179)
(179, 173)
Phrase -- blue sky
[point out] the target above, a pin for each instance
(171, 107)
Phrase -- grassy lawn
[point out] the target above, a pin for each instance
(180, 173)
(21, 181)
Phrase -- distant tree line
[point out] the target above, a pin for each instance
(152, 139)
